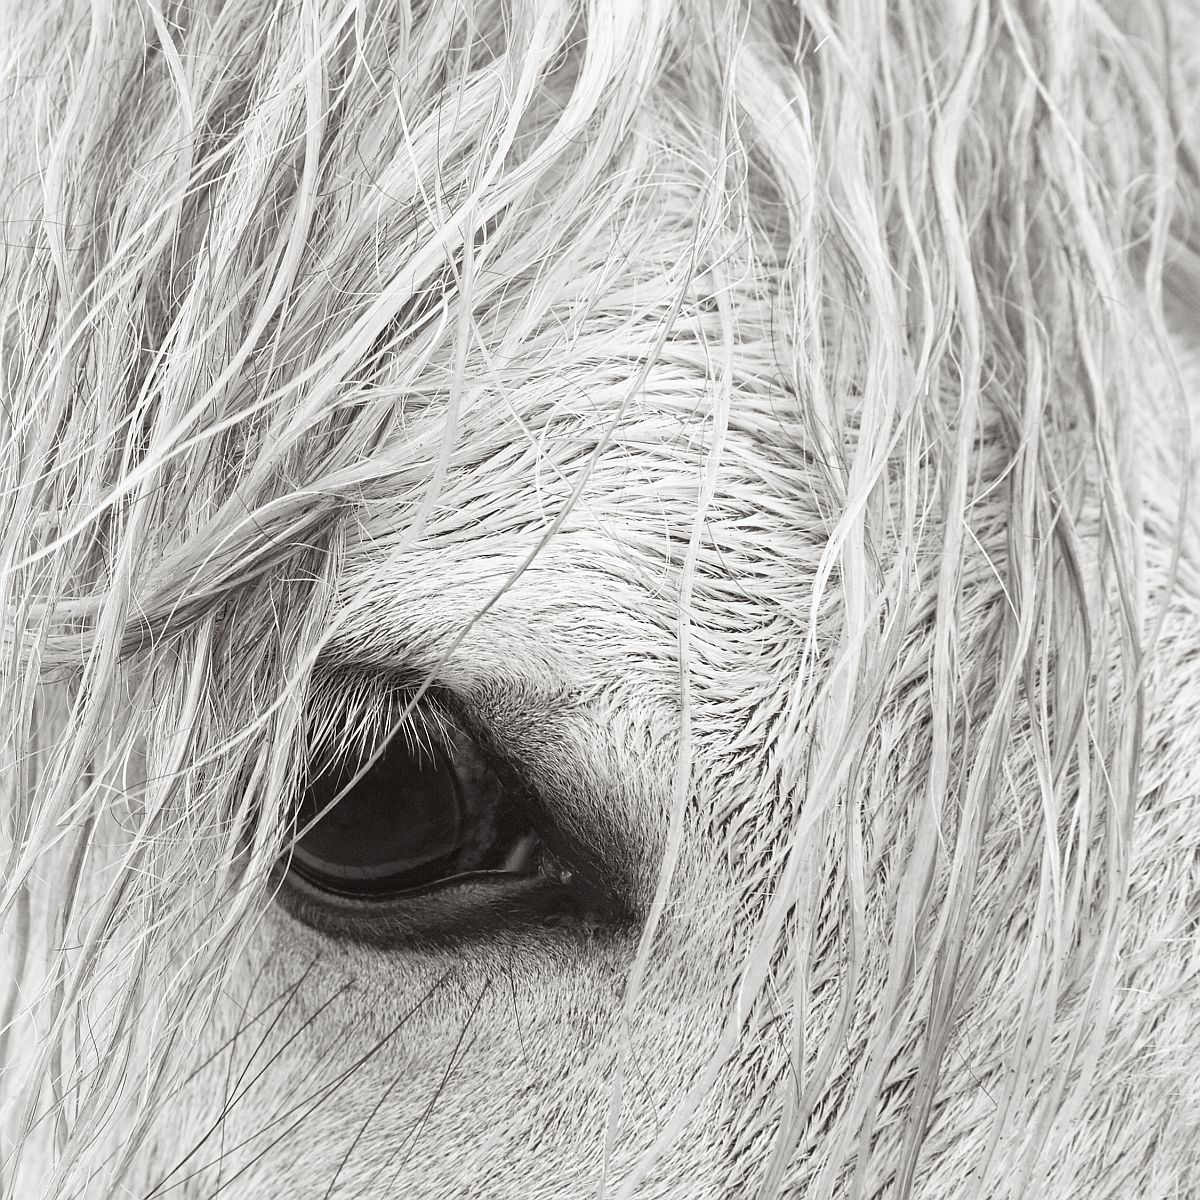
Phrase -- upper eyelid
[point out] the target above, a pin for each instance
(357, 709)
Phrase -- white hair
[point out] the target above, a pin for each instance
(272, 277)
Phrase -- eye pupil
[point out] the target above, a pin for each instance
(398, 826)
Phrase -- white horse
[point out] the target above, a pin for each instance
(600, 599)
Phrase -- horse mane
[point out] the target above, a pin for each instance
(271, 270)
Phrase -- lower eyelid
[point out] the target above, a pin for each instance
(477, 908)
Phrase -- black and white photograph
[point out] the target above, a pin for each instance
(599, 599)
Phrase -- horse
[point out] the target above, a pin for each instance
(601, 599)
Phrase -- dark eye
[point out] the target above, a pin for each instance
(417, 816)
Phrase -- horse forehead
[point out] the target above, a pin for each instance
(575, 545)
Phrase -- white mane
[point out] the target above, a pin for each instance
(305, 307)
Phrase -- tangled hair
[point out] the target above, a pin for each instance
(289, 289)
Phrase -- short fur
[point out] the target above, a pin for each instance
(764, 426)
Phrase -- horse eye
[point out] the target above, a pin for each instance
(415, 818)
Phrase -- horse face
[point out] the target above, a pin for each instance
(599, 602)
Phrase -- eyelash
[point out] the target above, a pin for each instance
(356, 712)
